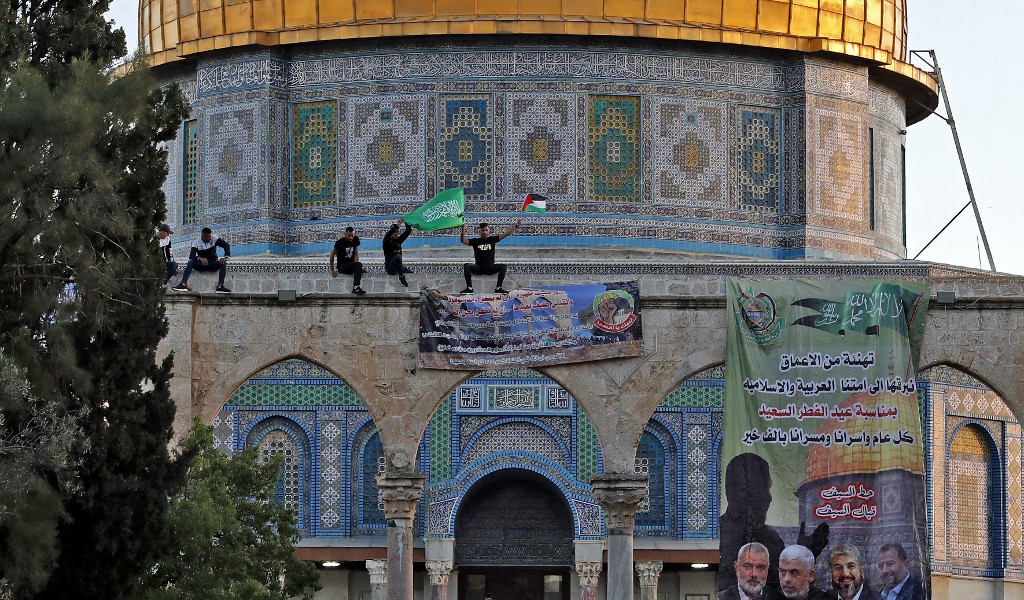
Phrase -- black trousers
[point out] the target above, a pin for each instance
(352, 268)
(471, 269)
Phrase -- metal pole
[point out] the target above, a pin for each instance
(960, 153)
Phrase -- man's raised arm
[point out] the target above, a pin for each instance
(511, 230)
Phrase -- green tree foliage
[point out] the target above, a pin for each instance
(52, 34)
(37, 467)
(232, 540)
(81, 312)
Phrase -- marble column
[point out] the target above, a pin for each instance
(400, 492)
(378, 578)
(439, 570)
(618, 494)
(649, 571)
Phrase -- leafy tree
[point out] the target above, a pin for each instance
(232, 540)
(81, 310)
(52, 34)
(37, 467)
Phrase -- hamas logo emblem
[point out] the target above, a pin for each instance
(758, 319)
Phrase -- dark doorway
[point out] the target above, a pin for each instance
(514, 584)
(514, 518)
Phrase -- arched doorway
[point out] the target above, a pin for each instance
(514, 539)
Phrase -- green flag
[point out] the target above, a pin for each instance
(443, 211)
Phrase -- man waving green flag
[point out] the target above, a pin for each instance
(443, 211)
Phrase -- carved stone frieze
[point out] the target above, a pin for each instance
(648, 571)
(439, 570)
(400, 492)
(589, 572)
(619, 494)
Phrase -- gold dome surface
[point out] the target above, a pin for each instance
(875, 30)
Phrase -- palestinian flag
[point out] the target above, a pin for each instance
(535, 203)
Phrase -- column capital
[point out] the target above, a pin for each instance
(589, 572)
(649, 571)
(619, 494)
(378, 571)
(439, 571)
(400, 492)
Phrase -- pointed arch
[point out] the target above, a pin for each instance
(278, 436)
(657, 457)
(329, 415)
(367, 460)
(974, 474)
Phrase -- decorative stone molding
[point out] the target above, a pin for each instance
(589, 572)
(439, 570)
(619, 494)
(400, 492)
(649, 571)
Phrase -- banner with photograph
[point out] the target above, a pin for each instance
(823, 444)
(530, 327)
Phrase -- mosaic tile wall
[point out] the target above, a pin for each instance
(232, 157)
(974, 478)
(336, 446)
(314, 166)
(705, 151)
(517, 418)
(190, 173)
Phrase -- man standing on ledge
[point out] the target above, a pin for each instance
(483, 254)
(203, 257)
(347, 251)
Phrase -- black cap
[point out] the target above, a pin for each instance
(165, 227)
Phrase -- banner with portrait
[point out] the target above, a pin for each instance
(823, 444)
(530, 327)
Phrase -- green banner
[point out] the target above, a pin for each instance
(823, 443)
(444, 211)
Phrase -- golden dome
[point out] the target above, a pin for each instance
(875, 30)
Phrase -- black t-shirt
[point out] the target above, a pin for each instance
(483, 249)
(393, 246)
(346, 249)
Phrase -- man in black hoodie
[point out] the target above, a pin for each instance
(392, 245)
(203, 257)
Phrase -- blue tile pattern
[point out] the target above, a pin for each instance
(614, 148)
(314, 164)
(758, 158)
(387, 149)
(540, 155)
(234, 169)
(466, 145)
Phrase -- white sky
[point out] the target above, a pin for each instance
(975, 45)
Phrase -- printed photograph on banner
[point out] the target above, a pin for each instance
(530, 326)
(823, 451)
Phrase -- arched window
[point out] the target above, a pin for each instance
(651, 460)
(367, 510)
(973, 499)
(282, 437)
(278, 443)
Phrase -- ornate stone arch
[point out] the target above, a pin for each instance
(445, 499)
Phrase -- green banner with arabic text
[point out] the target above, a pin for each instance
(823, 445)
